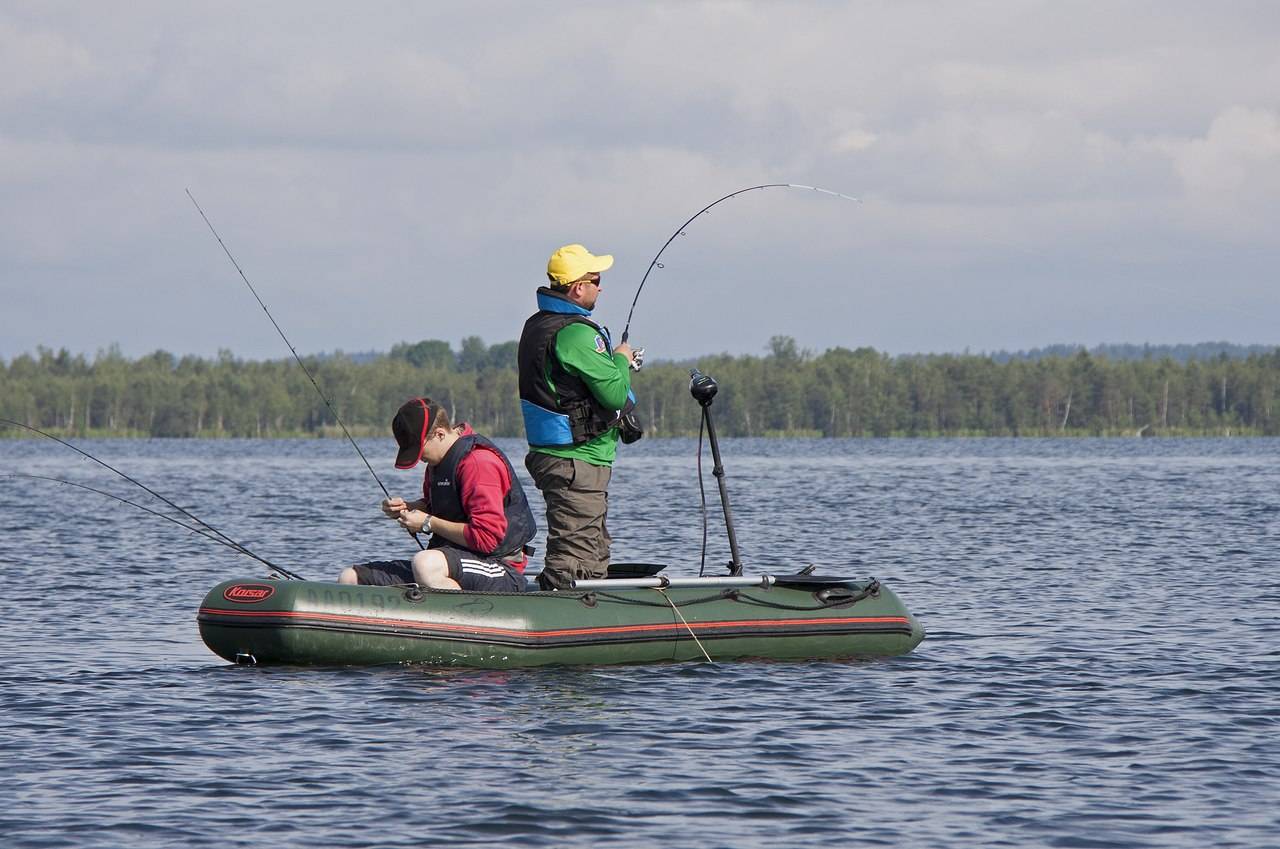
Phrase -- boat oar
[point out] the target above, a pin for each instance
(661, 583)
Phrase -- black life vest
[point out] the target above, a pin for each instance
(587, 417)
(445, 497)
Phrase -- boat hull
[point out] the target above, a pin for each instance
(306, 622)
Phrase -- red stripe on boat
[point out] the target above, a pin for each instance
(566, 632)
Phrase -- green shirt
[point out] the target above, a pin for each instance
(608, 377)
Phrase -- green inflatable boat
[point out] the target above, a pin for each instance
(633, 615)
(614, 620)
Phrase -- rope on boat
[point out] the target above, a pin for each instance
(871, 589)
(415, 593)
(686, 625)
(723, 594)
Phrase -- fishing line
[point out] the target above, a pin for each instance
(234, 546)
(294, 351)
(228, 540)
(680, 232)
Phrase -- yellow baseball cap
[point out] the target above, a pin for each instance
(571, 262)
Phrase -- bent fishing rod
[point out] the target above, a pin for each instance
(626, 331)
(223, 538)
(294, 351)
(234, 546)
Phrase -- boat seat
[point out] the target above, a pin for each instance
(635, 570)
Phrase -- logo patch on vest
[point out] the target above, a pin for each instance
(601, 347)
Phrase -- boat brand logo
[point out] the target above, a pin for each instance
(248, 593)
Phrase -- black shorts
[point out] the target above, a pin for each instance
(384, 573)
(472, 572)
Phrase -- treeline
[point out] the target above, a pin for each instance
(785, 392)
(1178, 353)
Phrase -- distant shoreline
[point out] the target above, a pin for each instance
(789, 392)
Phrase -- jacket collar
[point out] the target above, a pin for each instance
(550, 300)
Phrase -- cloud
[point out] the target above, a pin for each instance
(1229, 177)
(852, 141)
(1239, 153)
(351, 153)
(35, 61)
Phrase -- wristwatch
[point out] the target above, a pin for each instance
(426, 524)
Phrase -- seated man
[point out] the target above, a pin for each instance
(472, 505)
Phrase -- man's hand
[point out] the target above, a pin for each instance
(414, 521)
(625, 350)
(393, 507)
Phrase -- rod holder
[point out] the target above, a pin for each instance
(703, 388)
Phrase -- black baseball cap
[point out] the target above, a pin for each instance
(411, 425)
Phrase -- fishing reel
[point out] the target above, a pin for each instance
(637, 359)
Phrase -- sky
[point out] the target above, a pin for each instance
(1029, 173)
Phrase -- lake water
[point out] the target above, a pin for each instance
(1102, 667)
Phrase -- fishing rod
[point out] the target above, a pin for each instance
(626, 331)
(294, 351)
(231, 543)
(236, 547)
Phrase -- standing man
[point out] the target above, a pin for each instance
(575, 389)
(472, 505)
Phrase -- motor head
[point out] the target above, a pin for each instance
(702, 387)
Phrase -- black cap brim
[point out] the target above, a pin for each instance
(410, 426)
(408, 456)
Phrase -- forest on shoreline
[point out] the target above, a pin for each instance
(785, 392)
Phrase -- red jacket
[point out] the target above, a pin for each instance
(485, 484)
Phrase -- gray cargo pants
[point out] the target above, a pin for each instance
(577, 497)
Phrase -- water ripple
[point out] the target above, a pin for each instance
(1102, 668)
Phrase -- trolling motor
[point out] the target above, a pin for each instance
(703, 389)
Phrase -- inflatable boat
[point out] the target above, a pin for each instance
(633, 615)
(620, 619)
